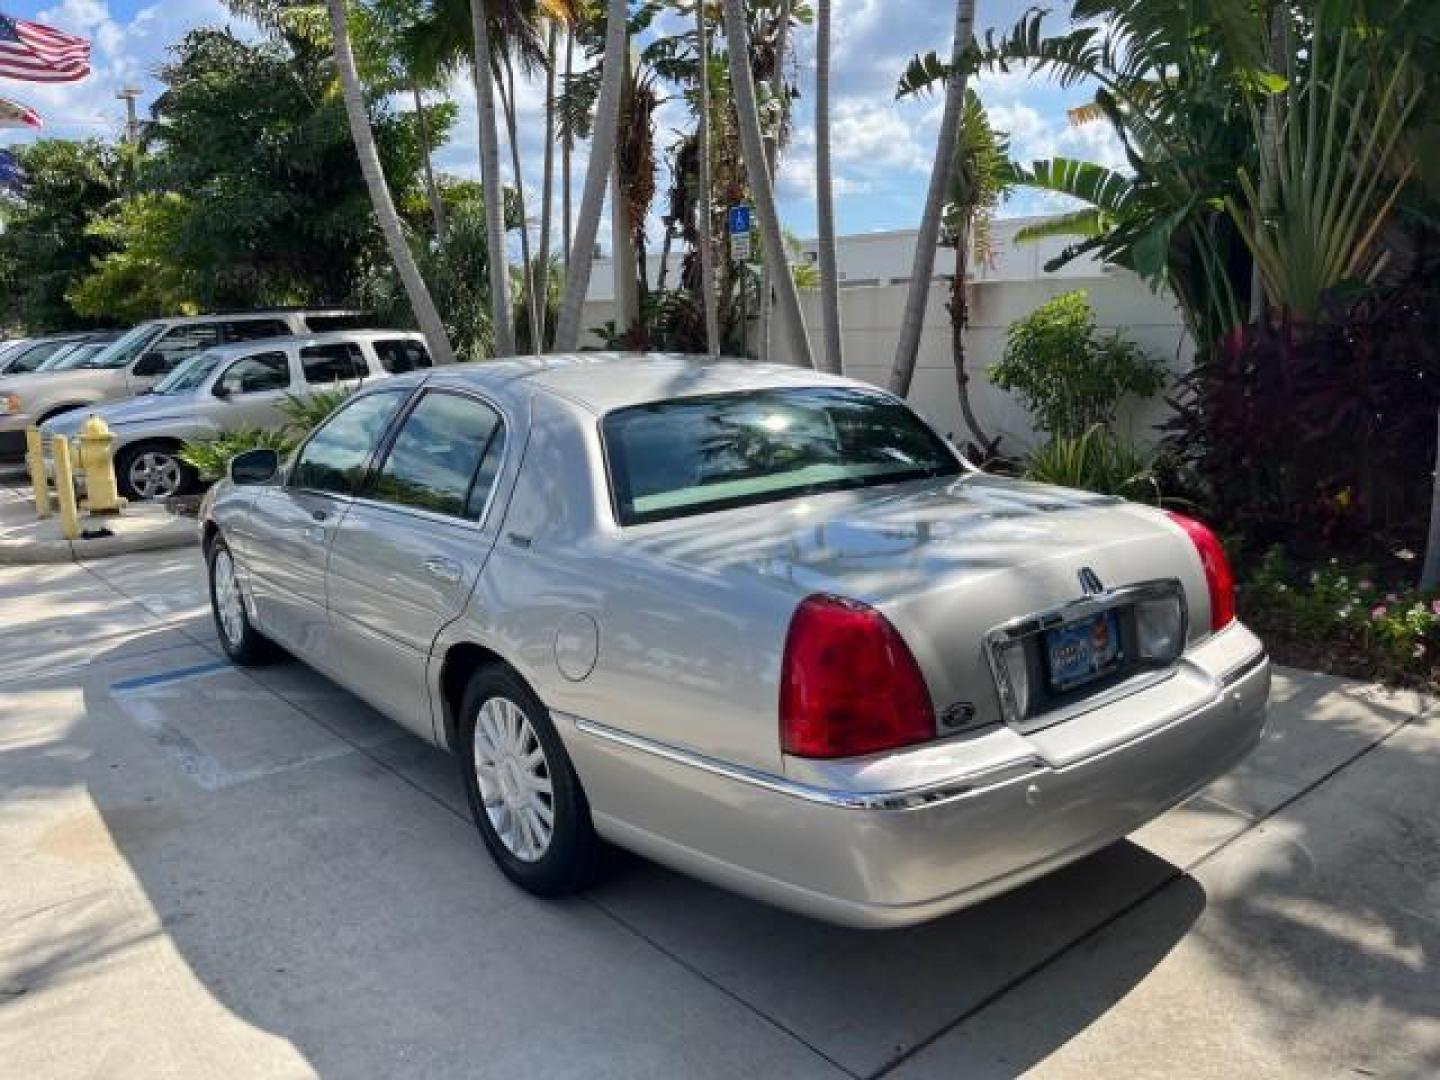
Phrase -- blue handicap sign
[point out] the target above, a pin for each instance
(739, 220)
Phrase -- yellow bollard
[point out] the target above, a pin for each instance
(97, 462)
(35, 460)
(65, 489)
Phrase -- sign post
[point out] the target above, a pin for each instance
(739, 222)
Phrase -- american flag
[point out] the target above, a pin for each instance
(35, 53)
(15, 115)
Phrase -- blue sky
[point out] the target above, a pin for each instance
(882, 149)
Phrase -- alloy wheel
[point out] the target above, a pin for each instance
(514, 778)
(229, 604)
(154, 475)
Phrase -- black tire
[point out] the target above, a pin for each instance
(572, 858)
(188, 480)
(242, 643)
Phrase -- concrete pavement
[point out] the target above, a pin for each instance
(214, 872)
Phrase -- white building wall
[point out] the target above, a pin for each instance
(1000, 294)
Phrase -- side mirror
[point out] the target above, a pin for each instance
(152, 363)
(254, 467)
(221, 391)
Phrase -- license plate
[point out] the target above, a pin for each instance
(1082, 651)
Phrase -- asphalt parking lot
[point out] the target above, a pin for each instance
(213, 872)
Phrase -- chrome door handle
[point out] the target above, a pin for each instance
(442, 568)
(315, 534)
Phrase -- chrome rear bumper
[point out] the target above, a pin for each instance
(846, 843)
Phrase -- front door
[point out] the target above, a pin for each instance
(293, 524)
(407, 555)
(250, 393)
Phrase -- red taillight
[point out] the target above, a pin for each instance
(849, 685)
(1218, 575)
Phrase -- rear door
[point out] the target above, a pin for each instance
(292, 526)
(407, 554)
(251, 391)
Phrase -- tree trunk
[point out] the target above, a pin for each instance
(432, 189)
(602, 160)
(507, 104)
(1430, 575)
(913, 323)
(364, 137)
(1269, 154)
(772, 154)
(623, 254)
(834, 354)
(959, 320)
(502, 327)
(565, 151)
(703, 199)
(540, 278)
(752, 146)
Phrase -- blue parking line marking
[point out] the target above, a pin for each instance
(170, 676)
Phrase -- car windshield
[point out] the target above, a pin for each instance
(190, 375)
(119, 353)
(697, 455)
(71, 357)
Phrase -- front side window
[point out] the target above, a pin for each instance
(445, 457)
(132, 344)
(256, 374)
(38, 355)
(400, 355)
(325, 364)
(697, 455)
(334, 460)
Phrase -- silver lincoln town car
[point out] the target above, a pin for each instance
(759, 624)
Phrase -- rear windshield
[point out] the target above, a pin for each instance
(696, 455)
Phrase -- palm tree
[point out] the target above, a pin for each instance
(427, 158)
(752, 145)
(834, 356)
(419, 296)
(913, 323)
(780, 93)
(602, 158)
(500, 315)
(704, 200)
(537, 282)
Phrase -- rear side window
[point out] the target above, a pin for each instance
(334, 460)
(445, 457)
(319, 324)
(698, 455)
(254, 330)
(333, 363)
(256, 374)
(179, 344)
(399, 355)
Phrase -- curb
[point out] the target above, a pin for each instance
(182, 532)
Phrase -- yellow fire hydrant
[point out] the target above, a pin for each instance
(97, 461)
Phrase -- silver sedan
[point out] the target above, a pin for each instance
(756, 623)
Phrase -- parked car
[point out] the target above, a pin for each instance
(139, 359)
(758, 623)
(77, 353)
(232, 387)
(30, 355)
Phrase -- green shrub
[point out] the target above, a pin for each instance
(211, 457)
(1099, 461)
(1069, 375)
(305, 413)
(1333, 613)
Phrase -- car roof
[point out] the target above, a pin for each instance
(603, 382)
(329, 337)
(241, 316)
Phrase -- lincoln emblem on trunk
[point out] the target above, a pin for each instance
(1090, 582)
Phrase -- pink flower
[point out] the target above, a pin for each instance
(1379, 611)
(1365, 584)
(1435, 607)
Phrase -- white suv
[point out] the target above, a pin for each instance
(232, 387)
(139, 359)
